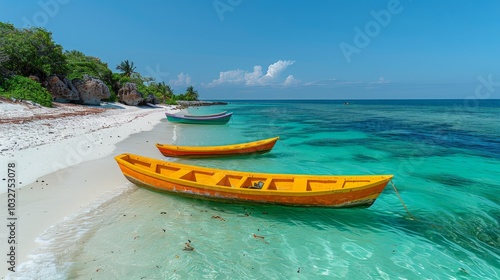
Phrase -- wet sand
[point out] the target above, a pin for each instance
(65, 164)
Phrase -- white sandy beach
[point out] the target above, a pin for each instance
(58, 156)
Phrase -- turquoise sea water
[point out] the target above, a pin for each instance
(445, 155)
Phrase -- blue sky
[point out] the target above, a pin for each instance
(257, 49)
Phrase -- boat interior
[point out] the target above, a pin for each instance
(252, 181)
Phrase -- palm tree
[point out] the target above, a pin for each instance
(165, 91)
(126, 67)
(191, 94)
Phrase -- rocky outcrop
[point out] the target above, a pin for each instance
(91, 90)
(87, 91)
(152, 99)
(62, 90)
(34, 78)
(129, 95)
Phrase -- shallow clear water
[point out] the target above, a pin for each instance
(445, 155)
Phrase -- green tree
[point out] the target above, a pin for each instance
(191, 94)
(165, 91)
(3, 58)
(30, 52)
(126, 67)
(80, 64)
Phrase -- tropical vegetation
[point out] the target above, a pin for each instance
(126, 67)
(19, 87)
(190, 95)
(32, 52)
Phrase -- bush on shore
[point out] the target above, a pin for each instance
(30, 51)
(23, 88)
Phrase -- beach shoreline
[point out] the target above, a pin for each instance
(69, 133)
(61, 161)
(99, 225)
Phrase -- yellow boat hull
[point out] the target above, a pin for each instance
(235, 186)
(256, 147)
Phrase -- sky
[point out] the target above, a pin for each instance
(294, 49)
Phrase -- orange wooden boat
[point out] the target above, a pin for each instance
(247, 187)
(256, 147)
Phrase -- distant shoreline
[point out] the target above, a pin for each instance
(465, 103)
(200, 103)
(356, 99)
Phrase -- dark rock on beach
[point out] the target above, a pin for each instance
(91, 90)
(62, 89)
(151, 99)
(129, 95)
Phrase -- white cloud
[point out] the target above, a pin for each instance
(314, 83)
(252, 78)
(381, 80)
(182, 80)
(275, 69)
(290, 81)
(229, 77)
(255, 78)
(349, 82)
